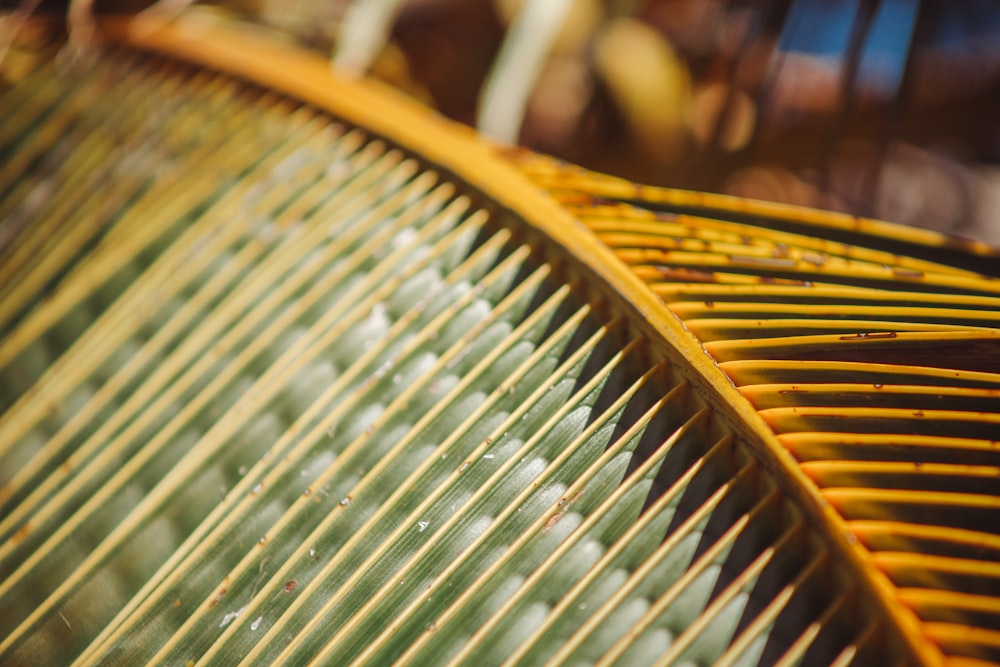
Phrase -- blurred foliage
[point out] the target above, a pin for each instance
(884, 108)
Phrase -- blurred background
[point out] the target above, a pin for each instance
(882, 108)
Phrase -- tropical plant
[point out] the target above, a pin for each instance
(294, 370)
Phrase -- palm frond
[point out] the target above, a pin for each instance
(870, 350)
(294, 370)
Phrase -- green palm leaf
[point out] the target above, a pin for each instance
(314, 376)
